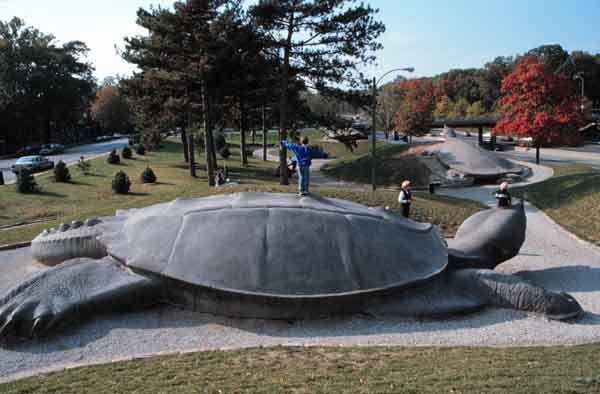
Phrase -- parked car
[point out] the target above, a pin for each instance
(29, 150)
(33, 163)
(52, 149)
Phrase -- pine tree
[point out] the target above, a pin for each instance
(324, 42)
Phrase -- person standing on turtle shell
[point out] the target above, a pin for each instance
(303, 155)
(405, 198)
(503, 196)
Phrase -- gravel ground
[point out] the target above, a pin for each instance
(550, 257)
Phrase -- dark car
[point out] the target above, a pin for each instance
(29, 150)
(51, 149)
(33, 163)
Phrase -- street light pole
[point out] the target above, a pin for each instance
(374, 135)
(374, 122)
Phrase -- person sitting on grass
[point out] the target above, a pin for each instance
(503, 196)
(405, 198)
(303, 156)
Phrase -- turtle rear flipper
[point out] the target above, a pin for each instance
(511, 291)
(73, 290)
(466, 290)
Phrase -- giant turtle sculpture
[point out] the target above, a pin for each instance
(276, 256)
(474, 161)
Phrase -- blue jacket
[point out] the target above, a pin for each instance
(303, 154)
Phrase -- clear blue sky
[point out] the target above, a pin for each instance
(431, 35)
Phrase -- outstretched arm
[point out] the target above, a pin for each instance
(72, 290)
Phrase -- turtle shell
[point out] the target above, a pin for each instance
(276, 245)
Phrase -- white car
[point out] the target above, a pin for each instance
(33, 164)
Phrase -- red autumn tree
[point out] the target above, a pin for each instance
(416, 108)
(539, 104)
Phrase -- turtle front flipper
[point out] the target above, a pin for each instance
(511, 291)
(488, 238)
(75, 289)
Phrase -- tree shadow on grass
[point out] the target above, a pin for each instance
(92, 174)
(181, 166)
(164, 183)
(79, 183)
(138, 194)
(46, 193)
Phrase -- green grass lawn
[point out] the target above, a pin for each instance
(337, 370)
(571, 198)
(392, 167)
(91, 195)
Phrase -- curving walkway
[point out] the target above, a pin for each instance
(550, 257)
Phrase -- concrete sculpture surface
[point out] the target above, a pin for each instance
(275, 256)
(473, 161)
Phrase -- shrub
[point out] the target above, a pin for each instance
(148, 176)
(126, 153)
(84, 166)
(61, 172)
(225, 153)
(25, 181)
(140, 150)
(220, 142)
(113, 158)
(121, 183)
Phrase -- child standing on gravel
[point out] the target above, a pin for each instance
(303, 155)
(405, 198)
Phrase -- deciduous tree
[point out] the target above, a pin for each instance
(416, 109)
(111, 110)
(539, 104)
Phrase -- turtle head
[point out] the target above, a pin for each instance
(488, 238)
(69, 241)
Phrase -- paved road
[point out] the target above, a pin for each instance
(70, 156)
(587, 154)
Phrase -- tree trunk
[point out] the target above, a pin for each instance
(184, 142)
(243, 147)
(191, 155)
(537, 154)
(208, 138)
(480, 135)
(285, 69)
